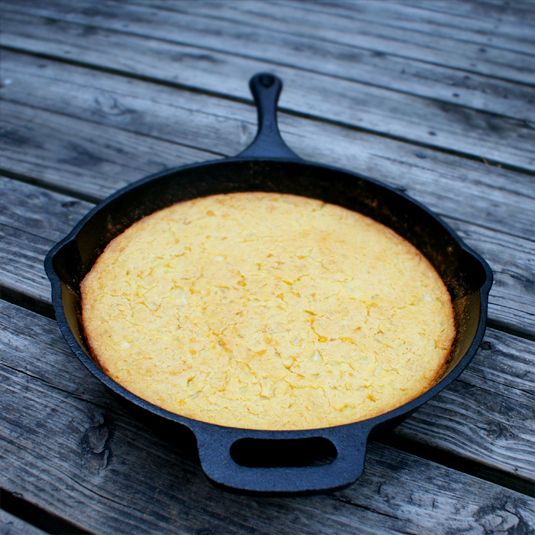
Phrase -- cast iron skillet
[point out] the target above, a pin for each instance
(269, 165)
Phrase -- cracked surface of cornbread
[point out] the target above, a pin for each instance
(267, 311)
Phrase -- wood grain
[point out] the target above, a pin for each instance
(489, 44)
(504, 24)
(508, 26)
(435, 124)
(281, 37)
(316, 41)
(73, 450)
(80, 157)
(500, 381)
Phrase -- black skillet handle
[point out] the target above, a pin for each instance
(215, 445)
(268, 143)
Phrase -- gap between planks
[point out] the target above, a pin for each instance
(12, 524)
(21, 517)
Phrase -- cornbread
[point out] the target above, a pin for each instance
(267, 311)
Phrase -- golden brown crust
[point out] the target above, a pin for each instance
(267, 311)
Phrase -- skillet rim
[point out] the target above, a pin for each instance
(194, 424)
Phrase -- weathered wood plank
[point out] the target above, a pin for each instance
(498, 383)
(376, 27)
(405, 31)
(280, 38)
(218, 127)
(508, 22)
(22, 257)
(11, 525)
(38, 211)
(473, 22)
(512, 12)
(423, 43)
(43, 145)
(72, 448)
(387, 112)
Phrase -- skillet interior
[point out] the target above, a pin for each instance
(462, 273)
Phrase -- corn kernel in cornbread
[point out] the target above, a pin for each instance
(267, 311)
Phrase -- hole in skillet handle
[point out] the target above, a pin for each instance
(268, 143)
(267, 452)
(225, 461)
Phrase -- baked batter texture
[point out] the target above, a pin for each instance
(267, 311)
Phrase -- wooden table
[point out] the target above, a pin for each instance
(435, 97)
